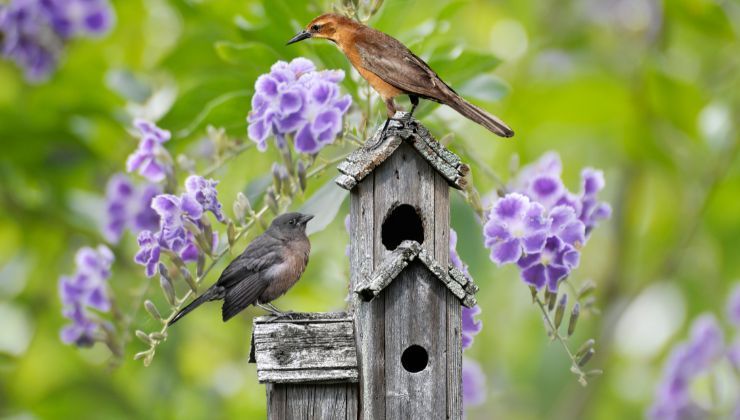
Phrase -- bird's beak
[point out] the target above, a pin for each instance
(305, 218)
(300, 36)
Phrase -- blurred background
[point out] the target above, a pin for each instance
(646, 90)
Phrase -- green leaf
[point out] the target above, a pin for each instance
(324, 204)
(252, 54)
(485, 87)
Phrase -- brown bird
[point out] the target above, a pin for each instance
(270, 265)
(393, 70)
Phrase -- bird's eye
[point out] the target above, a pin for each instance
(315, 28)
(292, 221)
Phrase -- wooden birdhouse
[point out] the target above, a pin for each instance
(397, 352)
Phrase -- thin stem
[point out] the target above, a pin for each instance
(556, 335)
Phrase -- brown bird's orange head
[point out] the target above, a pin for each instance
(327, 26)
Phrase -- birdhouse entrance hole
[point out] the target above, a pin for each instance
(402, 223)
(414, 359)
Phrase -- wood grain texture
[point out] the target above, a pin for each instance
(311, 348)
(369, 320)
(314, 401)
(453, 321)
(414, 302)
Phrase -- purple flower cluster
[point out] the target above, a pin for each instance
(704, 352)
(33, 32)
(473, 378)
(151, 160)
(687, 360)
(83, 290)
(128, 207)
(295, 99)
(176, 213)
(541, 226)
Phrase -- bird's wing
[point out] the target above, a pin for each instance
(390, 60)
(262, 253)
(243, 294)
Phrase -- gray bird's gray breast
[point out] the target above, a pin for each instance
(284, 275)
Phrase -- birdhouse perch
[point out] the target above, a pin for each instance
(397, 353)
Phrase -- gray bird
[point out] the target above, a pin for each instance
(270, 265)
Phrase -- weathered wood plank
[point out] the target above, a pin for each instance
(413, 302)
(369, 320)
(310, 348)
(315, 401)
(306, 376)
(388, 270)
(453, 324)
(364, 160)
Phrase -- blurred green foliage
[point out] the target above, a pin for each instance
(646, 90)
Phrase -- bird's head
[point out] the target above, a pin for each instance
(327, 26)
(291, 222)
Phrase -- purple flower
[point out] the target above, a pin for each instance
(733, 306)
(33, 33)
(733, 354)
(549, 266)
(296, 100)
(592, 211)
(128, 207)
(86, 288)
(515, 226)
(72, 18)
(547, 250)
(470, 326)
(150, 159)
(149, 251)
(204, 192)
(28, 38)
(174, 211)
(687, 360)
(473, 384)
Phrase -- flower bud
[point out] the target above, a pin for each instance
(144, 337)
(302, 175)
(288, 159)
(560, 311)
(271, 201)
(153, 311)
(157, 336)
(573, 319)
(231, 234)
(200, 265)
(169, 292)
(277, 179)
(586, 357)
(585, 347)
(141, 354)
(189, 280)
(551, 298)
(164, 272)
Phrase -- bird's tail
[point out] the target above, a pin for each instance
(209, 295)
(480, 116)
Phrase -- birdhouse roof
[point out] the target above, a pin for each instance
(458, 283)
(364, 160)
